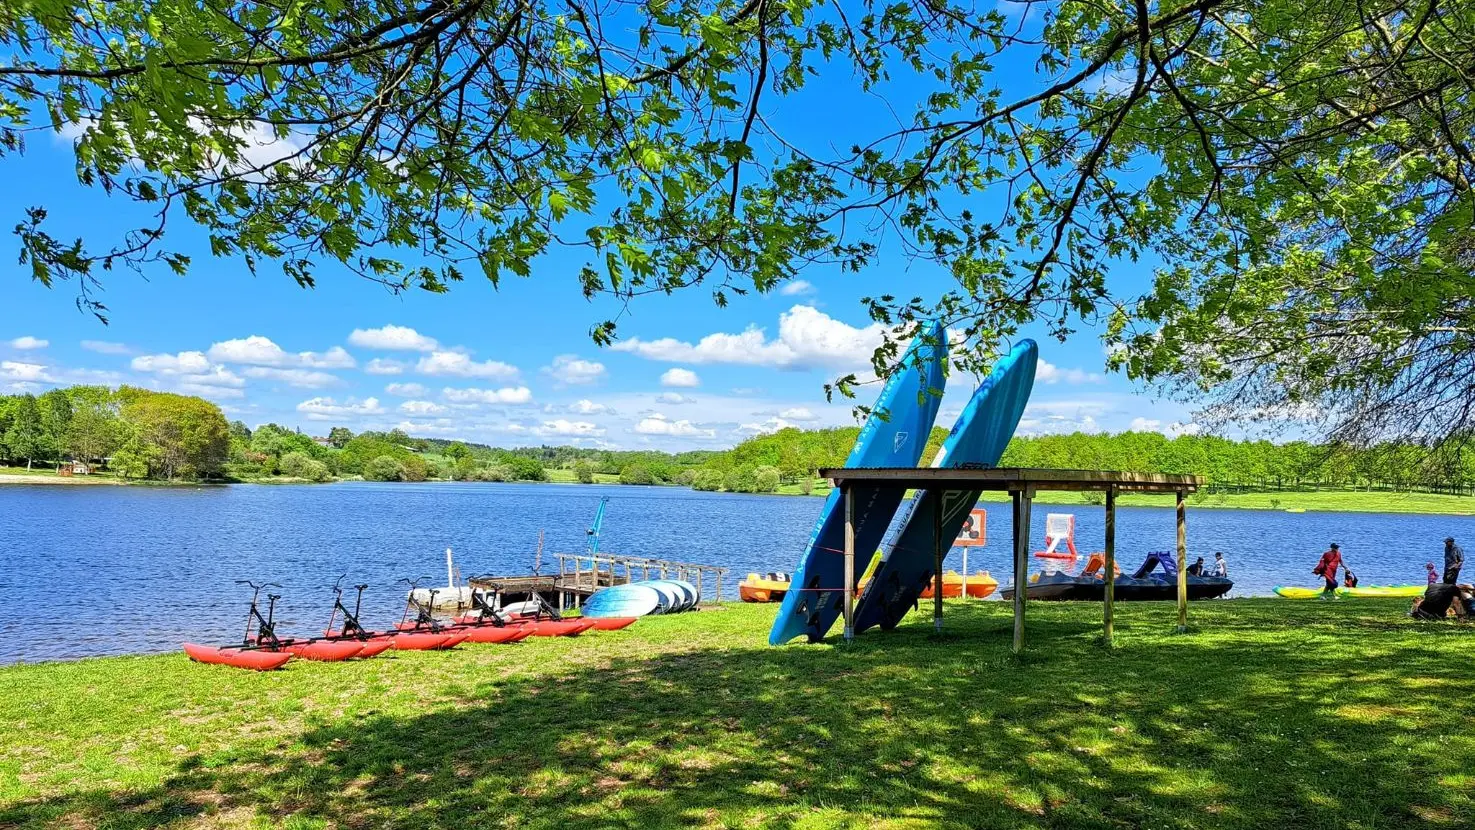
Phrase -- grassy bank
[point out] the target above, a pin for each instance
(1269, 713)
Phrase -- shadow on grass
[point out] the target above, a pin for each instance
(1232, 727)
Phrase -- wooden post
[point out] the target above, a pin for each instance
(938, 552)
(849, 563)
(720, 571)
(699, 586)
(1106, 621)
(1021, 563)
(1182, 562)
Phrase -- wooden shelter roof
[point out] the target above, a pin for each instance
(1011, 479)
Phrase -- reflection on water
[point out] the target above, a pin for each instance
(112, 570)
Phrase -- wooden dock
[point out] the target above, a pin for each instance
(580, 575)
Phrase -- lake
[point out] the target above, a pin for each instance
(118, 570)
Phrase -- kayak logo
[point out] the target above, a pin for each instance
(899, 441)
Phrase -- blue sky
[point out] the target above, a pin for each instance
(512, 366)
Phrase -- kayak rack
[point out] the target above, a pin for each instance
(581, 574)
(1021, 483)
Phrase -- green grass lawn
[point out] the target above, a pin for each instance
(1270, 713)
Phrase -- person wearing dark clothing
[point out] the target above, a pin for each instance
(1439, 599)
(1197, 568)
(1454, 559)
(1327, 567)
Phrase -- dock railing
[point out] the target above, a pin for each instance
(585, 573)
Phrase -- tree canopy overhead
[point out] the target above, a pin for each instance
(1301, 168)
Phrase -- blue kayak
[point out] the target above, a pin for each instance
(979, 437)
(685, 592)
(623, 601)
(893, 436)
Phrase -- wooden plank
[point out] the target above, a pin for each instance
(937, 557)
(1014, 478)
(1106, 611)
(849, 496)
(1021, 565)
(1182, 562)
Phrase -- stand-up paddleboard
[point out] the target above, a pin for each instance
(686, 593)
(979, 437)
(893, 436)
(623, 601)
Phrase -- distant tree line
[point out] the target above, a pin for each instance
(137, 433)
(796, 456)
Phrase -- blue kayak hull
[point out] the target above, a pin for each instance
(622, 601)
(894, 435)
(978, 438)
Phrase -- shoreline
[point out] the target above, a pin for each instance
(1288, 501)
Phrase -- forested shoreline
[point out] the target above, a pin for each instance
(137, 434)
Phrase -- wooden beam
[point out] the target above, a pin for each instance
(849, 496)
(1106, 612)
(1022, 501)
(1182, 562)
(938, 552)
(1013, 478)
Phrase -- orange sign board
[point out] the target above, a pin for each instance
(975, 530)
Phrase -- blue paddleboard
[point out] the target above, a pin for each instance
(623, 601)
(893, 436)
(979, 437)
(686, 593)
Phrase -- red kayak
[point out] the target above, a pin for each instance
(563, 628)
(426, 641)
(611, 623)
(238, 657)
(328, 651)
(493, 634)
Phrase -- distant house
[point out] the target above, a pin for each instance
(322, 442)
(74, 468)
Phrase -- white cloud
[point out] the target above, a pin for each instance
(261, 351)
(28, 372)
(302, 378)
(574, 371)
(459, 364)
(393, 339)
(588, 407)
(798, 413)
(105, 347)
(1049, 373)
(568, 429)
(807, 338)
(380, 366)
(172, 364)
(327, 409)
(191, 373)
(406, 390)
(674, 398)
(681, 378)
(218, 377)
(508, 395)
(763, 427)
(1172, 430)
(29, 343)
(421, 408)
(794, 288)
(658, 424)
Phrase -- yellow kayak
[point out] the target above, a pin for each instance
(1296, 592)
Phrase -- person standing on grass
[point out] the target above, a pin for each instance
(1327, 567)
(1221, 568)
(1454, 559)
(1433, 573)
